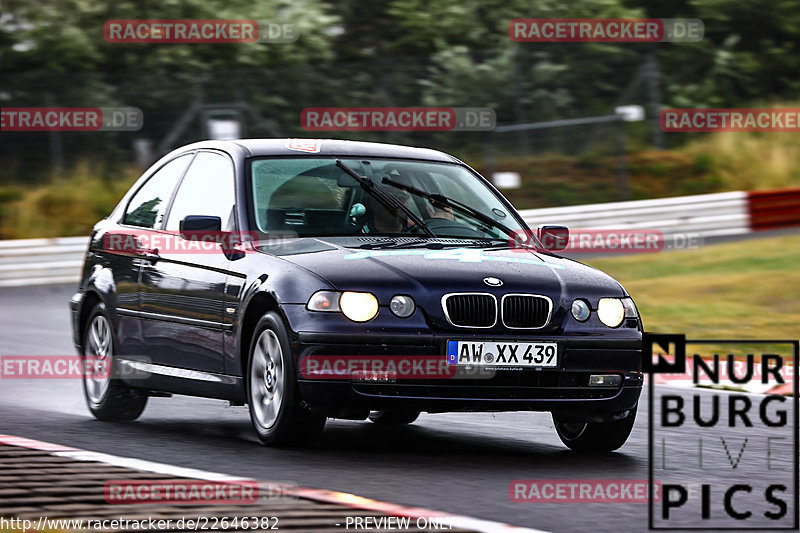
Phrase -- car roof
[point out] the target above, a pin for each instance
(316, 147)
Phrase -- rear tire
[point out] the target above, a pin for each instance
(276, 412)
(393, 417)
(107, 397)
(595, 436)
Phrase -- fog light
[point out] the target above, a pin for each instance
(605, 380)
(402, 306)
(580, 310)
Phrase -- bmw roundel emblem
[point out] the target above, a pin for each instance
(493, 282)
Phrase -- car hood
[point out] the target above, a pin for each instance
(347, 266)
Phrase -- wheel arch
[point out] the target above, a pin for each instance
(90, 300)
(257, 307)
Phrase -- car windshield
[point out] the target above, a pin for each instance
(315, 197)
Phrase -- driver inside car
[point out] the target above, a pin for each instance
(439, 211)
(383, 219)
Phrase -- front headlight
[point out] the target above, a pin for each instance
(358, 306)
(612, 311)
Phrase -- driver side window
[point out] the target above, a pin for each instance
(207, 189)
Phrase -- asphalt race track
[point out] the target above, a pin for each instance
(459, 463)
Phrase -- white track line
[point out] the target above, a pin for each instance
(326, 496)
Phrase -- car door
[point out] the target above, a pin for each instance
(182, 288)
(145, 212)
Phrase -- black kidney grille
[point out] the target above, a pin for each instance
(471, 310)
(525, 311)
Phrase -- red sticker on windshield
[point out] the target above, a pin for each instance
(304, 145)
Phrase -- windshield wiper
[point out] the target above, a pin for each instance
(386, 199)
(453, 204)
(391, 243)
(433, 244)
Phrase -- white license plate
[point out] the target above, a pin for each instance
(492, 353)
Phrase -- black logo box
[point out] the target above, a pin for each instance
(678, 366)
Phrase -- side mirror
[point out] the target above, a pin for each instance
(554, 238)
(194, 226)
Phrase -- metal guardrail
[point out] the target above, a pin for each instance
(59, 260)
(41, 261)
(707, 215)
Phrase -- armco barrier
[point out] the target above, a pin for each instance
(41, 261)
(708, 215)
(59, 260)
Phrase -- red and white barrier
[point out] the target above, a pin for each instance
(706, 215)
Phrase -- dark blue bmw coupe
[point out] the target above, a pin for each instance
(314, 279)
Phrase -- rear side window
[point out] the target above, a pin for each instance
(146, 208)
(207, 189)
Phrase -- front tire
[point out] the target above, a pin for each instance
(595, 436)
(277, 415)
(107, 397)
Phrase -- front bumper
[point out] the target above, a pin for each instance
(564, 389)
